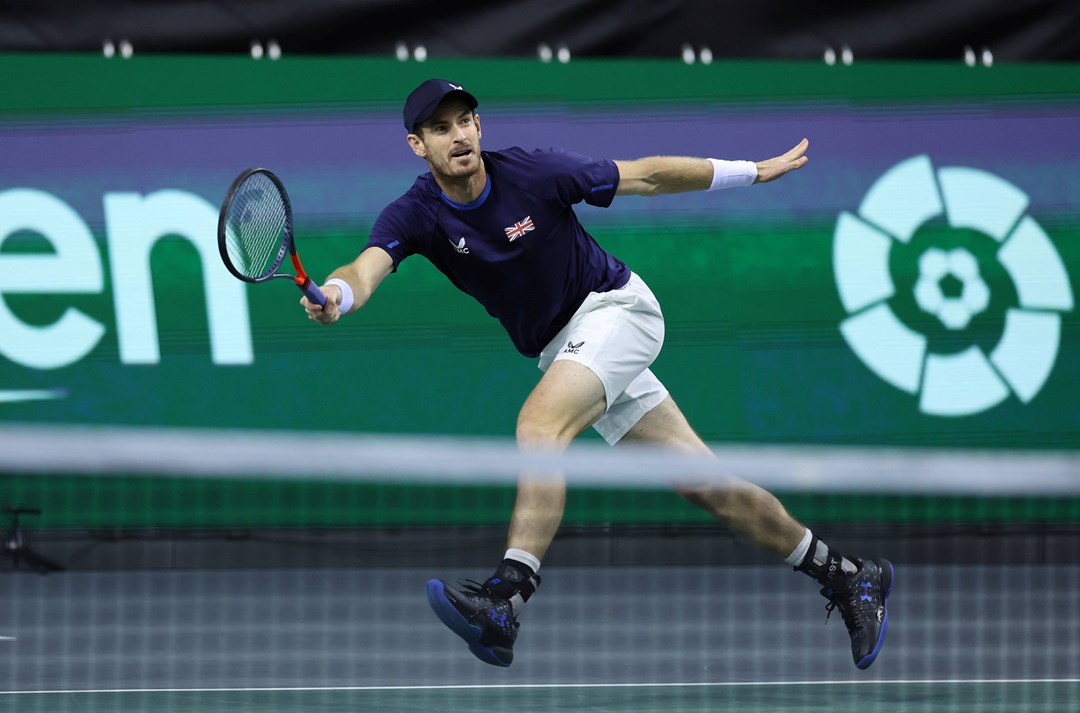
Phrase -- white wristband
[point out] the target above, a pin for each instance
(346, 294)
(731, 174)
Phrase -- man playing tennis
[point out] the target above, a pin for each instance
(500, 225)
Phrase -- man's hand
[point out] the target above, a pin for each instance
(328, 313)
(773, 168)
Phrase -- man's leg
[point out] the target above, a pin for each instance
(858, 588)
(748, 510)
(568, 399)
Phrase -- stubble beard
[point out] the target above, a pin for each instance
(447, 169)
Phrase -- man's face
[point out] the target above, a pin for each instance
(449, 140)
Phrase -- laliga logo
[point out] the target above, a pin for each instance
(970, 381)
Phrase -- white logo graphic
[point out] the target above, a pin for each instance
(460, 246)
(954, 312)
(968, 382)
(134, 223)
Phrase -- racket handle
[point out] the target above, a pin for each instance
(313, 292)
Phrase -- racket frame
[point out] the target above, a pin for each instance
(288, 245)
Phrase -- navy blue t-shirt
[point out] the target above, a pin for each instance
(518, 249)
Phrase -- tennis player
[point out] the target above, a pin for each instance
(501, 226)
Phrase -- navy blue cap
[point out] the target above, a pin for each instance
(426, 98)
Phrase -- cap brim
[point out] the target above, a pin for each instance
(429, 110)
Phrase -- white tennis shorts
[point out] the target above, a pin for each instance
(617, 335)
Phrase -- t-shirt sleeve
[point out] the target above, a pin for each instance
(394, 231)
(580, 178)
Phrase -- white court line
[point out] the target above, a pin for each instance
(484, 686)
(7, 638)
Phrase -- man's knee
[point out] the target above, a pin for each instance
(540, 430)
(568, 399)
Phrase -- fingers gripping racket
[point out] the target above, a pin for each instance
(255, 232)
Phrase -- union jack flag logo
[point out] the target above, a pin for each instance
(518, 229)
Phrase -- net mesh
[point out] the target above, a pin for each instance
(198, 582)
(256, 227)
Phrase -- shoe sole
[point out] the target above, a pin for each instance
(449, 615)
(887, 582)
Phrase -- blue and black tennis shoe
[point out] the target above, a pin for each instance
(488, 622)
(485, 620)
(862, 603)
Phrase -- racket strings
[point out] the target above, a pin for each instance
(256, 228)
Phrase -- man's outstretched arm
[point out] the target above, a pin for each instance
(349, 287)
(657, 175)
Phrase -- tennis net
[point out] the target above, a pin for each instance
(253, 570)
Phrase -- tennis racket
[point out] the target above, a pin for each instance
(255, 232)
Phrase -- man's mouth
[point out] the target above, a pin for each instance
(462, 153)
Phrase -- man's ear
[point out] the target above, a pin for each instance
(417, 145)
(476, 118)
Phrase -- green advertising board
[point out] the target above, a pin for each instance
(912, 287)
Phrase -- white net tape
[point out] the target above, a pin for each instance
(97, 450)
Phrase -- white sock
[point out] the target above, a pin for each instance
(524, 558)
(797, 555)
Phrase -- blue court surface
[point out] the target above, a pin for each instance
(971, 639)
